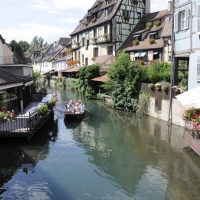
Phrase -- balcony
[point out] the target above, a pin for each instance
(103, 39)
(6, 60)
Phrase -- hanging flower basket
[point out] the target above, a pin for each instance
(151, 86)
(158, 86)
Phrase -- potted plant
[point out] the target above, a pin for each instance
(149, 24)
(93, 20)
(126, 18)
(151, 86)
(6, 116)
(151, 40)
(77, 43)
(93, 59)
(176, 88)
(86, 24)
(157, 23)
(94, 39)
(105, 35)
(134, 1)
(158, 86)
(165, 86)
(42, 110)
(135, 42)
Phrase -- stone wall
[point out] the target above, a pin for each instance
(177, 110)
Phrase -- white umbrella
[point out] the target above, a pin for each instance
(190, 97)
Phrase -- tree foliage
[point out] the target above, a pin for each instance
(24, 45)
(85, 85)
(37, 42)
(124, 85)
(18, 51)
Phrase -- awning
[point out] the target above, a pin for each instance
(45, 73)
(102, 79)
(28, 83)
(3, 87)
(152, 33)
(155, 53)
(142, 54)
(136, 55)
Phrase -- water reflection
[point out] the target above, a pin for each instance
(20, 157)
(108, 155)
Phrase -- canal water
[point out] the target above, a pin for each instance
(109, 155)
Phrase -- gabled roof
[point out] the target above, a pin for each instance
(104, 61)
(7, 77)
(102, 79)
(102, 5)
(63, 41)
(2, 40)
(144, 44)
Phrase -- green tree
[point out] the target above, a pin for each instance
(124, 84)
(85, 85)
(24, 45)
(18, 51)
(37, 42)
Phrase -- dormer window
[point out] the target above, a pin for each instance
(137, 37)
(153, 35)
(107, 2)
(89, 12)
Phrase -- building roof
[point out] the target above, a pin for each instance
(71, 69)
(63, 40)
(98, 7)
(102, 79)
(104, 61)
(144, 44)
(7, 77)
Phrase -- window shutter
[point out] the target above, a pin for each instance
(198, 68)
(187, 18)
(198, 18)
(175, 22)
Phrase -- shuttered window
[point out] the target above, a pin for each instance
(175, 22)
(198, 18)
(198, 68)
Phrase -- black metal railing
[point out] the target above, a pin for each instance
(25, 125)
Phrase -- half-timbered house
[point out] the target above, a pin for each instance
(105, 27)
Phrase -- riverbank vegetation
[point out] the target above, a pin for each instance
(124, 86)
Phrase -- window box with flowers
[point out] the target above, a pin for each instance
(86, 24)
(94, 58)
(105, 35)
(77, 43)
(6, 116)
(94, 39)
(93, 20)
(149, 24)
(157, 23)
(152, 41)
(126, 18)
(42, 110)
(135, 42)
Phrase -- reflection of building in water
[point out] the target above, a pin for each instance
(21, 156)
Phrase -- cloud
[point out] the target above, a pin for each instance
(157, 5)
(61, 4)
(69, 20)
(28, 31)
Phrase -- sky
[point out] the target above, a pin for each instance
(50, 19)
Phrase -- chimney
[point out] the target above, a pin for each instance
(169, 5)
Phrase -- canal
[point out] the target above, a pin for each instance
(109, 155)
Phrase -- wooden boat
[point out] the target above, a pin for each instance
(74, 116)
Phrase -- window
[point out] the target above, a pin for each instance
(83, 42)
(95, 32)
(110, 50)
(96, 52)
(106, 12)
(82, 59)
(88, 43)
(181, 20)
(137, 37)
(153, 35)
(106, 2)
(77, 38)
(139, 15)
(125, 13)
(106, 29)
